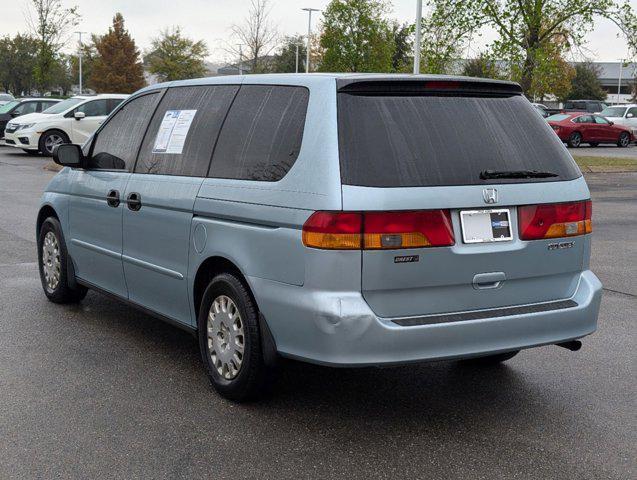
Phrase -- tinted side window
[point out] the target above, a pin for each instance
(95, 108)
(262, 135)
(211, 105)
(585, 119)
(25, 107)
(118, 141)
(601, 121)
(113, 103)
(633, 111)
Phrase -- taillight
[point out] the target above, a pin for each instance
(553, 220)
(333, 230)
(378, 230)
(426, 228)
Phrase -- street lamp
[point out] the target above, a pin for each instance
(80, 34)
(619, 83)
(239, 66)
(309, 34)
(417, 41)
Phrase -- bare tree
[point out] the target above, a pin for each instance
(257, 36)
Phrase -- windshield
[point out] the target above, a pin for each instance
(64, 105)
(558, 117)
(428, 140)
(613, 112)
(8, 106)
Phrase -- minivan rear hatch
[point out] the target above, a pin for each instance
(478, 151)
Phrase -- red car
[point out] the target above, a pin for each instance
(576, 128)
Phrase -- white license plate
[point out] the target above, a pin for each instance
(481, 226)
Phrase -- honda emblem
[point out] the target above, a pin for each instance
(490, 195)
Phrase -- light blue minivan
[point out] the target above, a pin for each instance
(345, 220)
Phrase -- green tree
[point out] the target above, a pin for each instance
(356, 37)
(176, 57)
(402, 57)
(49, 22)
(483, 66)
(526, 28)
(18, 59)
(586, 83)
(284, 60)
(117, 67)
(61, 74)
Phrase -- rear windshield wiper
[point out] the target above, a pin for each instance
(487, 174)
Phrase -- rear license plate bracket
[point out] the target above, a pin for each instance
(486, 226)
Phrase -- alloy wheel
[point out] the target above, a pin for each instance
(51, 141)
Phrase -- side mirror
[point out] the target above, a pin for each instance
(630, 115)
(68, 155)
(79, 115)
(611, 123)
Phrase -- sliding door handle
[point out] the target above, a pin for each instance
(134, 201)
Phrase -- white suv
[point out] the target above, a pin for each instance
(72, 121)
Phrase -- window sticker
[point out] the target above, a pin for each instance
(173, 131)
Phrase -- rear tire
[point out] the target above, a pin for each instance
(52, 263)
(491, 359)
(50, 139)
(230, 340)
(624, 140)
(575, 140)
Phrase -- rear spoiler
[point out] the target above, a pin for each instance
(428, 87)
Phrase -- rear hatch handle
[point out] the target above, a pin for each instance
(485, 281)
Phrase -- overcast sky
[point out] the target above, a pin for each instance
(210, 20)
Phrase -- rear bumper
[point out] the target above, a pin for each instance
(339, 328)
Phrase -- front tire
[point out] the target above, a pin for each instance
(575, 140)
(491, 359)
(52, 262)
(624, 140)
(229, 339)
(51, 139)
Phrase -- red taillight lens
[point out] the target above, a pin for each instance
(333, 230)
(554, 220)
(426, 228)
(378, 230)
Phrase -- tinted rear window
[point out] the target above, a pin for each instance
(262, 135)
(420, 140)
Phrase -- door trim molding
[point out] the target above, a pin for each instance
(151, 266)
(95, 248)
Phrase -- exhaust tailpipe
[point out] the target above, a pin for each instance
(573, 345)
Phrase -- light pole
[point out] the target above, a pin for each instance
(417, 41)
(80, 55)
(309, 34)
(239, 67)
(619, 83)
(297, 59)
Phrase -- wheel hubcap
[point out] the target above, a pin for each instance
(624, 140)
(51, 261)
(226, 340)
(576, 140)
(51, 141)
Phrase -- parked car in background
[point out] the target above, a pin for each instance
(6, 98)
(581, 127)
(17, 108)
(73, 120)
(591, 106)
(345, 220)
(542, 109)
(622, 115)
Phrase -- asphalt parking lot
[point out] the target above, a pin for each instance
(611, 151)
(100, 390)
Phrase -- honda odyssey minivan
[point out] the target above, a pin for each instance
(344, 220)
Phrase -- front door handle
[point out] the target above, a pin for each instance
(112, 198)
(134, 201)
